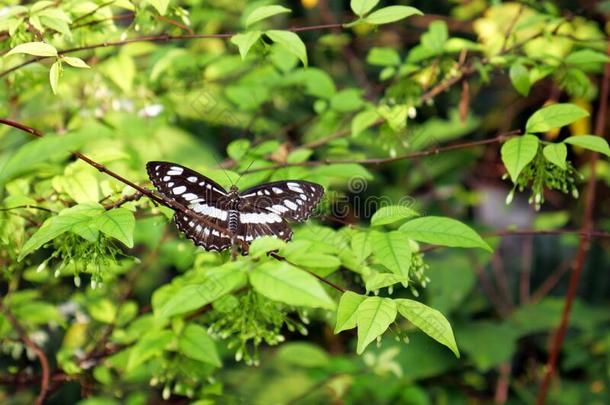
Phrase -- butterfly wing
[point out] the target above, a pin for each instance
(292, 200)
(198, 193)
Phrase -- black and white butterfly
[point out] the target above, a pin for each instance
(242, 216)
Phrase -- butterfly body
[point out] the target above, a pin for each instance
(238, 217)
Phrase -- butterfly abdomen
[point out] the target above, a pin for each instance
(233, 221)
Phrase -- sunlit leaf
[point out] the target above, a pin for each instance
(591, 142)
(347, 311)
(554, 116)
(373, 317)
(264, 12)
(430, 321)
(556, 153)
(518, 152)
(443, 231)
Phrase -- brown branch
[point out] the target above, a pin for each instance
(42, 357)
(132, 197)
(583, 245)
(159, 198)
(155, 38)
(380, 161)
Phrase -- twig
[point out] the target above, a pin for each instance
(550, 282)
(160, 198)
(380, 161)
(42, 357)
(132, 197)
(583, 245)
(154, 38)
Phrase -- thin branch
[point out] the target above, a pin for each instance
(159, 198)
(380, 161)
(131, 197)
(583, 246)
(42, 357)
(155, 38)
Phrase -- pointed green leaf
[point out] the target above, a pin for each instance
(261, 246)
(586, 56)
(264, 12)
(67, 220)
(347, 311)
(361, 246)
(392, 213)
(160, 5)
(280, 281)
(195, 343)
(75, 62)
(391, 14)
(245, 41)
(34, 48)
(392, 249)
(216, 283)
(361, 7)
(54, 76)
(150, 345)
(117, 223)
(556, 153)
(373, 317)
(591, 142)
(42, 150)
(291, 42)
(554, 116)
(520, 78)
(443, 231)
(363, 120)
(430, 321)
(518, 152)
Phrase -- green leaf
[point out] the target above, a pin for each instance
(347, 311)
(390, 14)
(54, 76)
(375, 281)
(373, 317)
(150, 345)
(57, 225)
(195, 344)
(361, 7)
(392, 213)
(518, 152)
(280, 281)
(556, 153)
(430, 321)
(117, 223)
(554, 116)
(393, 251)
(591, 142)
(75, 62)
(443, 231)
(435, 38)
(264, 12)
(289, 41)
(586, 56)
(217, 282)
(245, 41)
(520, 78)
(34, 48)
(303, 354)
(313, 259)
(363, 120)
(159, 5)
(383, 57)
(42, 150)
(261, 246)
(361, 245)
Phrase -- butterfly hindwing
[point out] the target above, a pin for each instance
(202, 235)
(292, 200)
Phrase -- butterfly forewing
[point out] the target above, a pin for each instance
(293, 200)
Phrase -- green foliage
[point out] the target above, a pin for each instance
(128, 311)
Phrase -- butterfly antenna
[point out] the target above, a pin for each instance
(223, 170)
(244, 172)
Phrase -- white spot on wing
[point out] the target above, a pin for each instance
(192, 179)
(179, 190)
(277, 190)
(290, 204)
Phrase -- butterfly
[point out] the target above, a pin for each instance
(239, 217)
